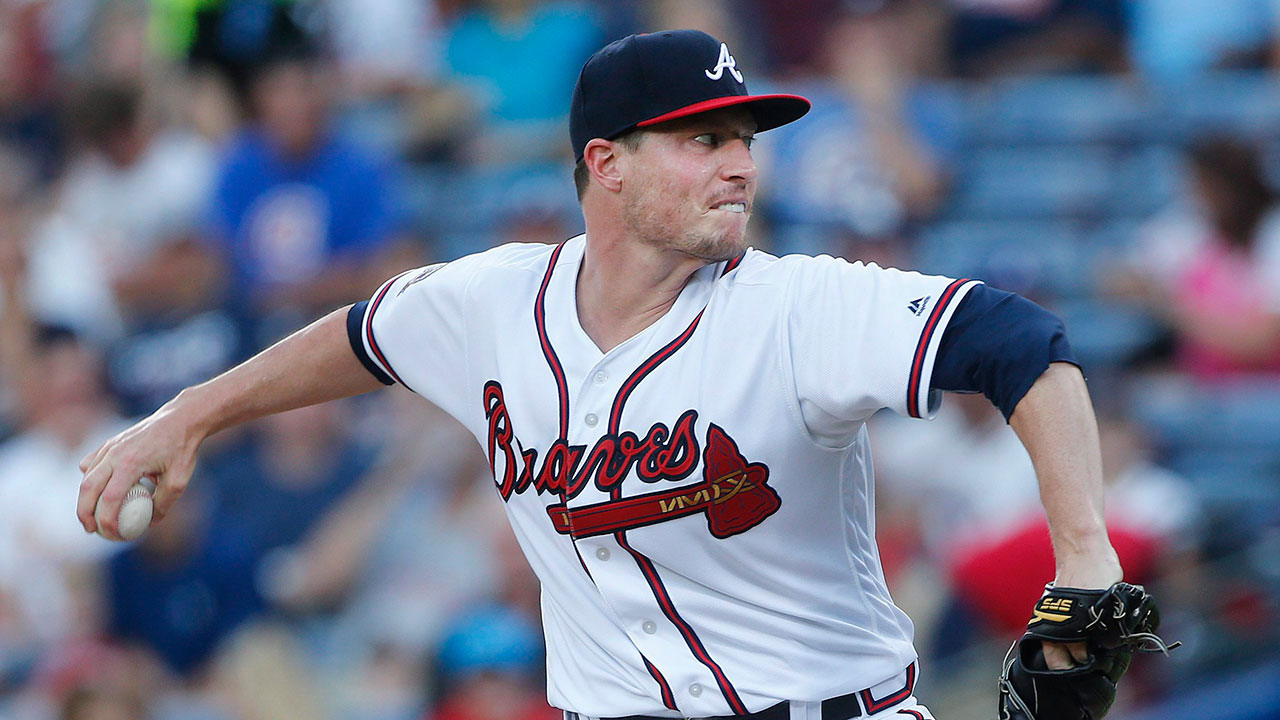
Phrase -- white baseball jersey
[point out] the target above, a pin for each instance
(697, 502)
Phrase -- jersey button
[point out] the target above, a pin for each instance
(649, 627)
(601, 377)
(602, 553)
(695, 689)
(591, 419)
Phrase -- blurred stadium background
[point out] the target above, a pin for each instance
(184, 181)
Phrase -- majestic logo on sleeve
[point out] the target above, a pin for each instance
(734, 494)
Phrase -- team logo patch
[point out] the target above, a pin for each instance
(747, 498)
(725, 62)
(734, 494)
(917, 306)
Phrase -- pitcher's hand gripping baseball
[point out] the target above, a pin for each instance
(1113, 623)
(162, 446)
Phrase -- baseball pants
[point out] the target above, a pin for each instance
(889, 700)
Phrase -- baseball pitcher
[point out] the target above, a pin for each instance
(676, 424)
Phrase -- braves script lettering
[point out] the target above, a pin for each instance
(663, 454)
(734, 493)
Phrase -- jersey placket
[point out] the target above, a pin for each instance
(582, 423)
(628, 581)
(660, 593)
(615, 575)
(619, 577)
(664, 634)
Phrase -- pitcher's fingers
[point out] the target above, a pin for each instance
(1079, 652)
(94, 457)
(111, 499)
(1057, 656)
(90, 489)
(169, 488)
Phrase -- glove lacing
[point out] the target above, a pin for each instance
(1142, 642)
(1006, 688)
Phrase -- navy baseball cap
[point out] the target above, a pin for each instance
(643, 80)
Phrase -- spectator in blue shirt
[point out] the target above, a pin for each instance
(305, 217)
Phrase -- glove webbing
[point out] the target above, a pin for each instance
(1143, 642)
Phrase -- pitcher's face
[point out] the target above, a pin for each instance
(690, 185)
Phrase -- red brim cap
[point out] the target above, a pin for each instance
(643, 80)
(770, 111)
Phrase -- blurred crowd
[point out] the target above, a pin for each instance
(183, 182)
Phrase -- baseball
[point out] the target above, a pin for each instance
(135, 511)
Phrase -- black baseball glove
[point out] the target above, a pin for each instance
(1113, 623)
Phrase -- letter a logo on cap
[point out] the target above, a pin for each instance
(726, 61)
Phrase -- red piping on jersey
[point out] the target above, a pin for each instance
(874, 706)
(562, 392)
(922, 348)
(913, 713)
(557, 370)
(646, 566)
(644, 563)
(615, 415)
(668, 697)
(540, 320)
(368, 326)
(690, 637)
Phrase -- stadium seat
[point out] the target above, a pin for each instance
(1033, 257)
(1063, 109)
(1022, 182)
(1245, 102)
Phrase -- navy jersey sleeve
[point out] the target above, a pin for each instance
(998, 344)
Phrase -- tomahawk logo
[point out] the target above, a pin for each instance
(726, 61)
(734, 495)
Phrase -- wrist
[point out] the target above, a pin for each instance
(196, 410)
(1084, 543)
(1097, 568)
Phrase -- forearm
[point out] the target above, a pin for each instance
(1055, 422)
(1015, 352)
(311, 366)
